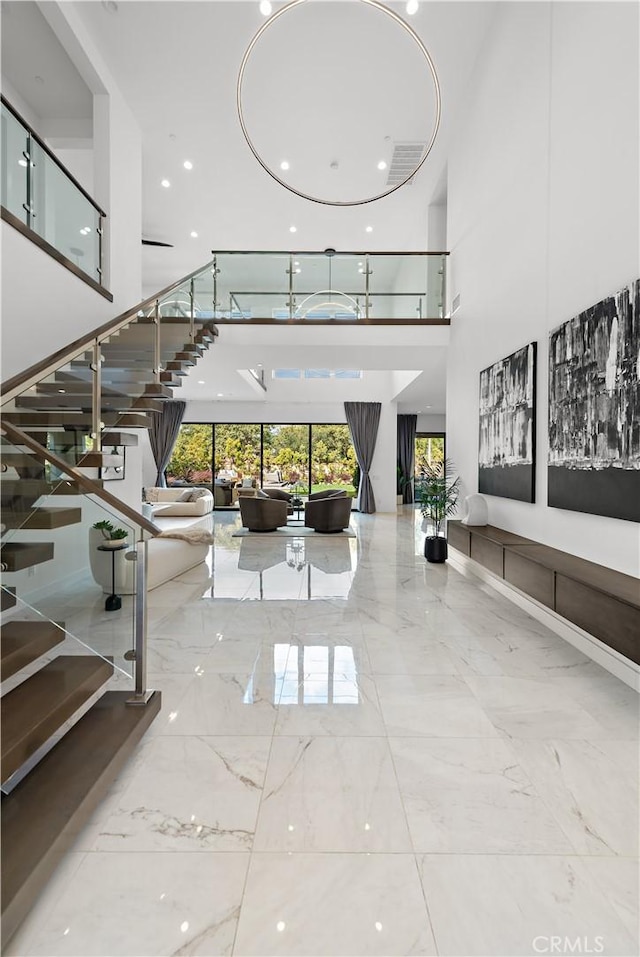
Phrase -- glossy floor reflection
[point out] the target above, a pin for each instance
(358, 754)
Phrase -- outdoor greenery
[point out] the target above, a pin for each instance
(285, 448)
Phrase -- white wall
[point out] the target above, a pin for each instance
(45, 307)
(543, 222)
(431, 423)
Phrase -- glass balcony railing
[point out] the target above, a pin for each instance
(319, 287)
(42, 198)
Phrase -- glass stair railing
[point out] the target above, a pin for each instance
(65, 638)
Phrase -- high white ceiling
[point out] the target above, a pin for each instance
(177, 61)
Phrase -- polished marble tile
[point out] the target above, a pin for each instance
(617, 879)
(323, 726)
(489, 906)
(592, 788)
(533, 708)
(472, 797)
(613, 704)
(152, 904)
(227, 704)
(397, 655)
(439, 706)
(518, 656)
(333, 904)
(331, 794)
(323, 705)
(20, 943)
(190, 794)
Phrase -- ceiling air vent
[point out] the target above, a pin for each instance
(406, 157)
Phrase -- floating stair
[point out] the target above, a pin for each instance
(41, 518)
(7, 598)
(34, 712)
(23, 642)
(77, 420)
(15, 556)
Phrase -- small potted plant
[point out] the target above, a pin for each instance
(113, 537)
(438, 496)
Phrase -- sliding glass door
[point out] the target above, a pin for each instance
(333, 458)
(285, 456)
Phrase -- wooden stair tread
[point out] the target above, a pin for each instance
(24, 641)
(41, 517)
(114, 403)
(7, 598)
(19, 555)
(36, 709)
(45, 813)
(58, 420)
(34, 488)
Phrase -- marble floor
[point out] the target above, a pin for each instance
(358, 754)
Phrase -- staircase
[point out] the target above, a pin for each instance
(67, 730)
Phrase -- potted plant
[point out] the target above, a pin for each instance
(438, 496)
(113, 537)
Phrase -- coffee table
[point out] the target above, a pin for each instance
(297, 505)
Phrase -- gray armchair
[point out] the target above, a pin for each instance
(328, 511)
(262, 514)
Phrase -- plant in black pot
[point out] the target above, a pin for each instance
(438, 496)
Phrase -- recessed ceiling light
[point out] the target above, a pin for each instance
(412, 7)
(188, 164)
(265, 8)
(368, 229)
(22, 162)
(382, 165)
(296, 263)
(284, 164)
(193, 234)
(220, 394)
(200, 381)
(293, 229)
(298, 269)
(165, 183)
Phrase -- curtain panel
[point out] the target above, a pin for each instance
(363, 419)
(163, 435)
(406, 454)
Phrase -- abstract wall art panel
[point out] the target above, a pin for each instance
(507, 426)
(594, 409)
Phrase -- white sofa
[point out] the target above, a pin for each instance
(167, 558)
(180, 501)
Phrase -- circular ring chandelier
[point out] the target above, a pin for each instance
(301, 193)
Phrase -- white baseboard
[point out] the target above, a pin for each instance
(589, 645)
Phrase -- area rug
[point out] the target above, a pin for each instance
(294, 531)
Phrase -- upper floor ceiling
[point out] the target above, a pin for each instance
(177, 64)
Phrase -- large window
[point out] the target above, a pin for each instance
(267, 454)
(191, 461)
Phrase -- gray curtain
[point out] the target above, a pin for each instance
(163, 434)
(406, 453)
(363, 419)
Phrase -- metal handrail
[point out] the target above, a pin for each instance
(18, 383)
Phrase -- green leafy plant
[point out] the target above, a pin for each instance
(438, 493)
(402, 480)
(109, 532)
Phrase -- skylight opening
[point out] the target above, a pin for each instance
(317, 373)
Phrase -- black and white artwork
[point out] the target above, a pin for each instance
(507, 426)
(594, 409)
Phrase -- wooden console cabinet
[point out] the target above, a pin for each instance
(603, 602)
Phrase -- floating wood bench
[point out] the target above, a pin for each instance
(603, 602)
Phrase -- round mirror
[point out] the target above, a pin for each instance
(339, 102)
